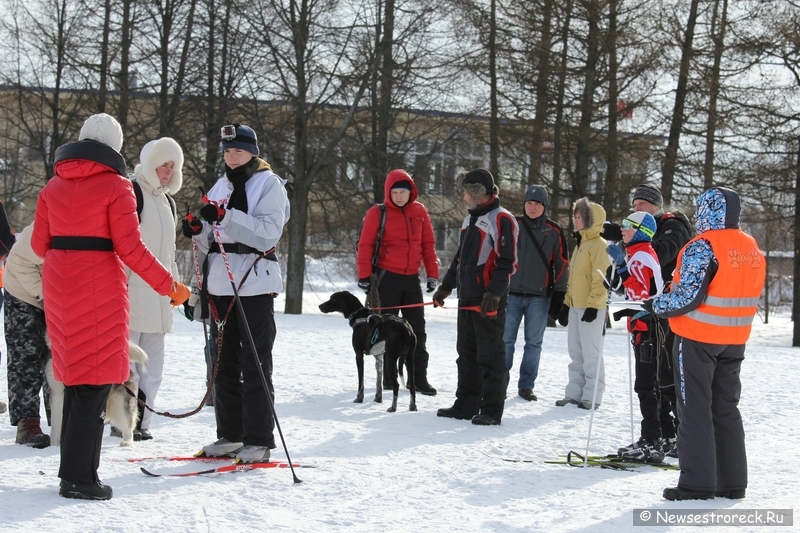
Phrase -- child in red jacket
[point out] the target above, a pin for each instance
(638, 268)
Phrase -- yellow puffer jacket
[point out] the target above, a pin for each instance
(587, 268)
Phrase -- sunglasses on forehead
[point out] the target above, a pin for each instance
(630, 224)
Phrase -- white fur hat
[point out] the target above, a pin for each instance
(156, 153)
(103, 128)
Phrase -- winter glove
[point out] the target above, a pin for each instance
(432, 283)
(191, 227)
(440, 295)
(618, 256)
(179, 293)
(489, 305)
(589, 315)
(188, 311)
(648, 306)
(563, 315)
(611, 232)
(364, 284)
(556, 303)
(212, 213)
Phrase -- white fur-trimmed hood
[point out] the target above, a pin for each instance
(156, 153)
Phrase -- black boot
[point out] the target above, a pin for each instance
(423, 387)
(85, 491)
(137, 432)
(452, 412)
(679, 494)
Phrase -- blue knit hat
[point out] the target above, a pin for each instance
(645, 226)
(241, 137)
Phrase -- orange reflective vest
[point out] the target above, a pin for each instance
(726, 314)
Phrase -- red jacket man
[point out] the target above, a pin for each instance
(407, 242)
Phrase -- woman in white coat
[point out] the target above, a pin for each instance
(159, 175)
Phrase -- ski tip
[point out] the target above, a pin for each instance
(147, 472)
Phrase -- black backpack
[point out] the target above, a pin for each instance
(137, 190)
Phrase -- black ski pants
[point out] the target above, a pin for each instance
(646, 388)
(481, 362)
(399, 289)
(711, 434)
(82, 432)
(240, 403)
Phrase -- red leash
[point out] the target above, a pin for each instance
(476, 308)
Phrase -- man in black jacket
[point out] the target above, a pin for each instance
(538, 287)
(481, 269)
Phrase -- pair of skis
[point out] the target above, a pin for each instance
(223, 469)
(610, 462)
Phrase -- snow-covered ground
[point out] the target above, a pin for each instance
(404, 471)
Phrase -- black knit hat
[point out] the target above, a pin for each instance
(241, 137)
(402, 185)
(648, 193)
(483, 177)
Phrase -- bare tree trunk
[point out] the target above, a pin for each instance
(796, 273)
(296, 260)
(385, 117)
(125, 61)
(718, 36)
(560, 103)
(543, 76)
(671, 154)
(582, 149)
(610, 192)
(103, 89)
(180, 79)
(494, 121)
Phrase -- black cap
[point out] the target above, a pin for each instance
(483, 177)
(649, 193)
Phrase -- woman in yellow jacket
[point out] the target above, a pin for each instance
(586, 298)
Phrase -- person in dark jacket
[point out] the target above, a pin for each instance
(673, 231)
(538, 287)
(407, 242)
(481, 270)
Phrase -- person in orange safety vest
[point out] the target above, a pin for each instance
(715, 293)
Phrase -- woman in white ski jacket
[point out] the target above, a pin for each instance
(159, 175)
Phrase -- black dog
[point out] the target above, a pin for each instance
(400, 344)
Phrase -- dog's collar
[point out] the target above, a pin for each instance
(358, 321)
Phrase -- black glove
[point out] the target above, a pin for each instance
(432, 283)
(563, 315)
(489, 305)
(556, 303)
(364, 284)
(188, 310)
(440, 295)
(648, 306)
(191, 228)
(611, 232)
(589, 315)
(212, 213)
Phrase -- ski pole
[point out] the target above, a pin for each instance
(252, 342)
(630, 380)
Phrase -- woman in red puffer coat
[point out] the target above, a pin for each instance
(86, 227)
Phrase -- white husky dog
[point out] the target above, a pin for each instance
(121, 409)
